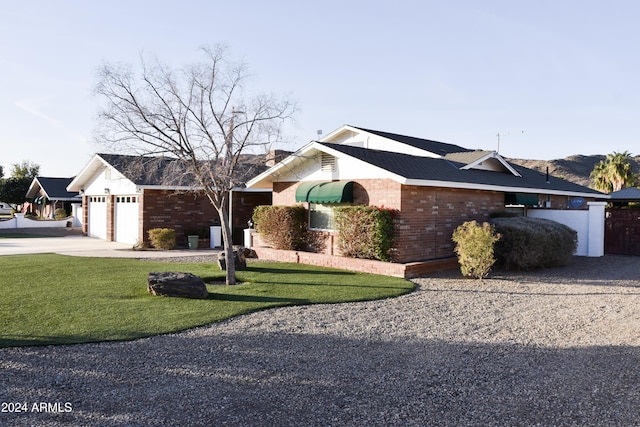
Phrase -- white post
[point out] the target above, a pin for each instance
(21, 222)
(248, 243)
(76, 212)
(596, 229)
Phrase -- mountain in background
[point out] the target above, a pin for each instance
(573, 168)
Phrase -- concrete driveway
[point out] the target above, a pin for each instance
(86, 246)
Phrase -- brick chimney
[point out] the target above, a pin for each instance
(275, 156)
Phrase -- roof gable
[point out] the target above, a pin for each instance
(442, 171)
(53, 188)
(456, 168)
(155, 171)
(483, 160)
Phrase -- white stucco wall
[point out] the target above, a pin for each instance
(111, 179)
(346, 168)
(589, 224)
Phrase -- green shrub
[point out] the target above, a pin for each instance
(531, 243)
(365, 232)
(162, 238)
(283, 227)
(60, 213)
(475, 248)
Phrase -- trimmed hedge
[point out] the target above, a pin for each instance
(283, 227)
(531, 243)
(475, 248)
(365, 232)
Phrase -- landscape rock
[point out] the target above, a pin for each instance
(171, 284)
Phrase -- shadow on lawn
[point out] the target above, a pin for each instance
(289, 271)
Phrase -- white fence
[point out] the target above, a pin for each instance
(588, 224)
(21, 222)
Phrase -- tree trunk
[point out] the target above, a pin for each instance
(227, 241)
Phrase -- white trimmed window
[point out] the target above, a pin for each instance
(321, 216)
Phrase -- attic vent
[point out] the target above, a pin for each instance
(328, 163)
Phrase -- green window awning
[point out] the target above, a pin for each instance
(525, 199)
(325, 192)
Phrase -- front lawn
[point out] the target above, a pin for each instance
(56, 299)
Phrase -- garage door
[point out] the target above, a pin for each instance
(98, 217)
(126, 222)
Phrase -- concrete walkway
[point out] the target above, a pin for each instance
(75, 245)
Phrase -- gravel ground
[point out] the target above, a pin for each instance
(557, 347)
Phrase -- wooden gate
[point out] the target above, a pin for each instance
(622, 232)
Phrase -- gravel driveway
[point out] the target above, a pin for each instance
(557, 347)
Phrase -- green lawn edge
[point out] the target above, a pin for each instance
(51, 299)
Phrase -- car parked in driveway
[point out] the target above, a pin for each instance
(5, 208)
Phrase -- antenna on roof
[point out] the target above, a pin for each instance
(498, 136)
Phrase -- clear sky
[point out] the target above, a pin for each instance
(566, 72)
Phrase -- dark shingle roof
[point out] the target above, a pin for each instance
(56, 188)
(167, 171)
(144, 170)
(440, 148)
(441, 169)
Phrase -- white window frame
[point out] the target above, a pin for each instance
(326, 208)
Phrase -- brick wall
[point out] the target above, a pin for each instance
(184, 211)
(406, 271)
(427, 215)
(244, 203)
(85, 215)
(180, 211)
(111, 215)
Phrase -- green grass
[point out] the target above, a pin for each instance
(56, 299)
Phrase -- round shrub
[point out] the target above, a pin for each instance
(162, 238)
(532, 243)
(60, 213)
(475, 248)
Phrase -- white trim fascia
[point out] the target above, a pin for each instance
(81, 178)
(167, 187)
(492, 155)
(280, 165)
(336, 132)
(32, 187)
(252, 190)
(319, 147)
(316, 145)
(488, 187)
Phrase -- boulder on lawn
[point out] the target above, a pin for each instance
(239, 259)
(183, 285)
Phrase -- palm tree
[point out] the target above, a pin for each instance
(621, 169)
(614, 173)
(599, 178)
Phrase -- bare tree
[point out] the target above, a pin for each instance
(200, 115)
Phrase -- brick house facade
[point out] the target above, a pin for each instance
(117, 206)
(426, 216)
(434, 187)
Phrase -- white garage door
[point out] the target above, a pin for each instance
(126, 222)
(98, 217)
